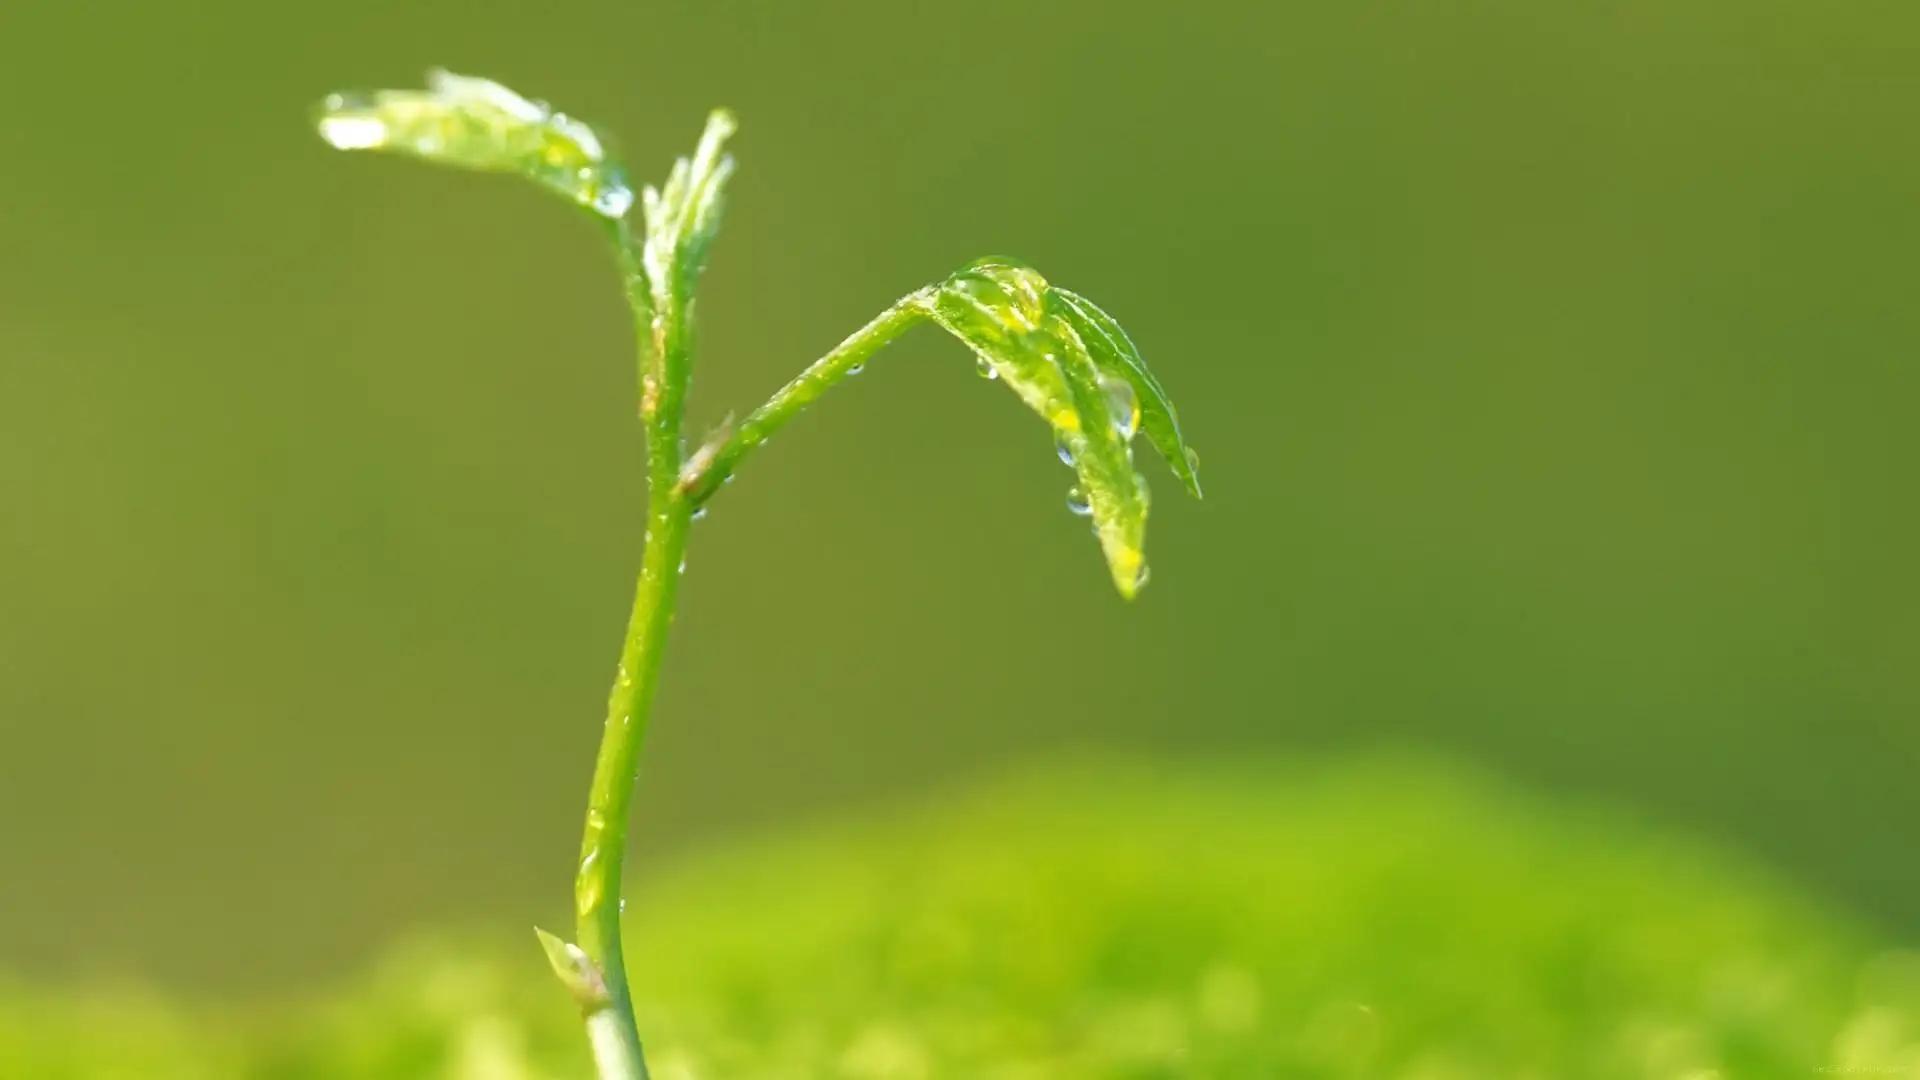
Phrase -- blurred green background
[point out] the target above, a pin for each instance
(1552, 366)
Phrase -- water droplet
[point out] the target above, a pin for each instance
(984, 369)
(588, 890)
(1193, 459)
(351, 132)
(1140, 579)
(612, 200)
(1021, 284)
(1013, 296)
(1063, 448)
(856, 369)
(1077, 502)
(1123, 405)
(698, 513)
(683, 564)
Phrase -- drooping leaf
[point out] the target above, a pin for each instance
(997, 307)
(1114, 494)
(1114, 353)
(1024, 333)
(478, 124)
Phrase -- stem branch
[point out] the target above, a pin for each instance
(714, 462)
(676, 486)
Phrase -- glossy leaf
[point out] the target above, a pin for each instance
(1115, 494)
(478, 124)
(1114, 353)
(1060, 355)
(997, 308)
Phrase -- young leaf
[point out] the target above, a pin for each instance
(477, 124)
(1114, 494)
(683, 215)
(997, 307)
(1025, 333)
(1114, 353)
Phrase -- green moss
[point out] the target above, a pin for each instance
(1386, 920)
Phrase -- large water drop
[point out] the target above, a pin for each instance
(1124, 406)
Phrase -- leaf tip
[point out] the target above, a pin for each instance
(347, 122)
(723, 122)
(1127, 563)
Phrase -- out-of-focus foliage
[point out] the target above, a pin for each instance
(1388, 920)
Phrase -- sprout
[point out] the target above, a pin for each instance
(1061, 355)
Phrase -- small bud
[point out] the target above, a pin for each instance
(577, 973)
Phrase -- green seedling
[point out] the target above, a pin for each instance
(1063, 356)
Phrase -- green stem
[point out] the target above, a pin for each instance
(603, 845)
(663, 337)
(676, 487)
(710, 467)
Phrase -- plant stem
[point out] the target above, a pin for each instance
(676, 487)
(710, 467)
(603, 844)
(663, 337)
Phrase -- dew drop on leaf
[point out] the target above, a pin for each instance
(1012, 291)
(345, 127)
(1077, 502)
(1124, 405)
(984, 369)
